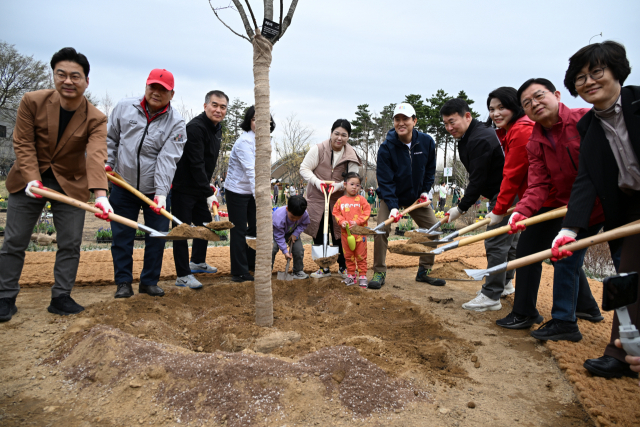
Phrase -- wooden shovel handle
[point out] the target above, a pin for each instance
(122, 183)
(557, 213)
(479, 224)
(51, 194)
(327, 199)
(616, 233)
(215, 210)
(414, 206)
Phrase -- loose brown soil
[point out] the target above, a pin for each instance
(362, 231)
(220, 225)
(409, 248)
(415, 237)
(199, 232)
(327, 261)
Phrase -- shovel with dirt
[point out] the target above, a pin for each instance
(379, 229)
(324, 255)
(285, 275)
(216, 224)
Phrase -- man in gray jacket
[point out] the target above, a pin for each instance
(145, 139)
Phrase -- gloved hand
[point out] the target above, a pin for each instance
(36, 184)
(515, 218)
(103, 203)
(161, 202)
(397, 216)
(564, 237)
(326, 187)
(495, 218)
(109, 171)
(338, 186)
(453, 214)
(424, 197)
(211, 200)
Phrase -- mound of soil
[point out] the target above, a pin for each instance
(451, 270)
(220, 225)
(358, 229)
(327, 262)
(415, 237)
(409, 248)
(185, 230)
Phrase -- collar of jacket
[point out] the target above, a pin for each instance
(522, 121)
(392, 137)
(470, 129)
(143, 105)
(209, 124)
(558, 129)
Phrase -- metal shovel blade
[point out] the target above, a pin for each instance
(480, 274)
(317, 251)
(445, 248)
(427, 232)
(159, 234)
(284, 275)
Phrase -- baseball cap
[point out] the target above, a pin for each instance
(404, 109)
(163, 77)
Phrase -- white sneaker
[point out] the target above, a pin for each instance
(300, 275)
(321, 274)
(343, 272)
(482, 303)
(508, 289)
(202, 268)
(188, 281)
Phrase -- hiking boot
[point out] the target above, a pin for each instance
(350, 280)
(202, 268)
(7, 309)
(124, 290)
(242, 278)
(188, 281)
(609, 367)
(558, 330)
(300, 275)
(322, 273)
(64, 305)
(378, 280)
(482, 303)
(152, 290)
(594, 317)
(343, 272)
(515, 321)
(508, 289)
(362, 281)
(423, 276)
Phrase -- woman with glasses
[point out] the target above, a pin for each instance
(326, 162)
(609, 170)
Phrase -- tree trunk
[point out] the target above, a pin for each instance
(261, 63)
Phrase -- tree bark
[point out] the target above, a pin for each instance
(261, 63)
(268, 9)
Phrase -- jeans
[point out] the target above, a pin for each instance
(242, 213)
(297, 250)
(189, 209)
(127, 205)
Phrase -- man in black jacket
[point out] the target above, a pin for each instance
(192, 195)
(481, 153)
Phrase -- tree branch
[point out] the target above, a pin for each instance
(281, 16)
(268, 9)
(245, 21)
(223, 23)
(255, 23)
(287, 20)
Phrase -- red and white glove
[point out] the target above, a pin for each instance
(424, 197)
(397, 216)
(326, 187)
(36, 184)
(212, 200)
(513, 220)
(161, 203)
(103, 203)
(453, 214)
(224, 214)
(564, 237)
(109, 171)
(495, 218)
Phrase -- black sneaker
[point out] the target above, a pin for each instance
(423, 276)
(7, 309)
(378, 280)
(153, 290)
(558, 330)
(242, 278)
(64, 305)
(609, 367)
(515, 321)
(594, 317)
(124, 290)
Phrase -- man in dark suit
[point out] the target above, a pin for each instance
(60, 140)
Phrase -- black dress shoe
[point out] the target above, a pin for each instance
(609, 367)
(64, 305)
(423, 276)
(558, 330)
(7, 309)
(153, 290)
(591, 317)
(243, 278)
(124, 290)
(515, 321)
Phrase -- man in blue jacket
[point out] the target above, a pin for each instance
(405, 172)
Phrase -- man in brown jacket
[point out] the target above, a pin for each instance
(60, 140)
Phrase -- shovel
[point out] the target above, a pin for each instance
(556, 213)
(324, 250)
(471, 227)
(415, 205)
(54, 195)
(351, 240)
(616, 233)
(286, 275)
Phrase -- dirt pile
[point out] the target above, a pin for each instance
(452, 270)
(362, 231)
(409, 248)
(185, 230)
(327, 262)
(415, 237)
(220, 225)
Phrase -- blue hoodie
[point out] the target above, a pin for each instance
(404, 174)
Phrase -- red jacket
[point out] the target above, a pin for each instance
(557, 166)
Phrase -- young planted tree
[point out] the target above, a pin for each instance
(262, 48)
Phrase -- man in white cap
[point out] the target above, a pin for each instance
(405, 173)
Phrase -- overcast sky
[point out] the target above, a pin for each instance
(336, 54)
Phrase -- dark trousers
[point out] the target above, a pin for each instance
(441, 204)
(242, 213)
(538, 238)
(190, 210)
(22, 215)
(297, 251)
(629, 261)
(127, 205)
(319, 240)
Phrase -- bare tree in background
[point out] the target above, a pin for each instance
(262, 48)
(107, 104)
(186, 113)
(293, 146)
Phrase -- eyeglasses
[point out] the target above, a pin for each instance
(595, 75)
(538, 96)
(75, 78)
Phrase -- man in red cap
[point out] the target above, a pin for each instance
(145, 139)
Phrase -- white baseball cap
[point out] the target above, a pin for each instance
(404, 109)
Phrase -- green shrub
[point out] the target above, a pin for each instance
(104, 233)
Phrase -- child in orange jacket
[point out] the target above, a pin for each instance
(353, 209)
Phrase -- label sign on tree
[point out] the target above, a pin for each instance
(270, 29)
(448, 172)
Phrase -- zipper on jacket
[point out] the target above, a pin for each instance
(144, 134)
(571, 158)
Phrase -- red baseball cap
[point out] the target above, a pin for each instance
(163, 77)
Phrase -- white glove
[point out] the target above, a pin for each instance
(338, 186)
(565, 232)
(161, 202)
(103, 203)
(212, 199)
(36, 184)
(495, 219)
(454, 213)
(424, 197)
(395, 215)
